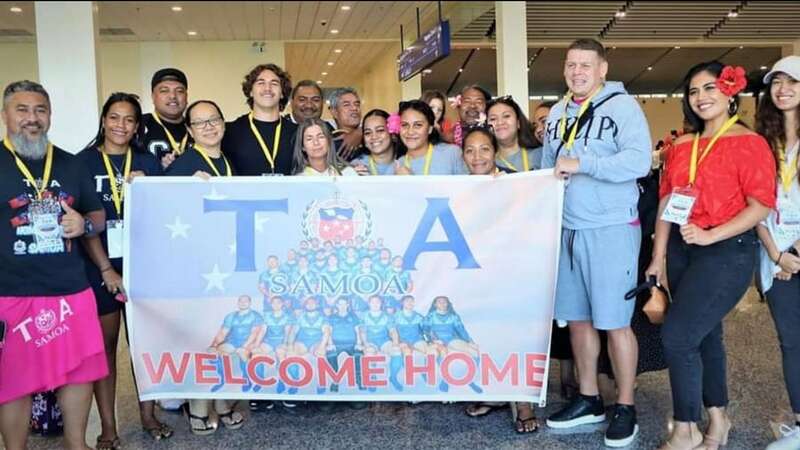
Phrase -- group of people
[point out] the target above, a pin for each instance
(729, 199)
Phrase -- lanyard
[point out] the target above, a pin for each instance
(525, 164)
(267, 154)
(694, 162)
(372, 168)
(116, 194)
(48, 168)
(172, 142)
(428, 157)
(788, 171)
(562, 124)
(205, 156)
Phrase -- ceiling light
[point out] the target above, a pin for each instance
(346, 7)
(338, 50)
(764, 67)
(330, 63)
(613, 48)
(15, 9)
(177, 8)
(649, 67)
(319, 81)
(733, 14)
(460, 70)
(620, 14)
(677, 47)
(324, 73)
(334, 31)
(741, 47)
(192, 33)
(429, 71)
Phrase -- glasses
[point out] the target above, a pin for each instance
(212, 122)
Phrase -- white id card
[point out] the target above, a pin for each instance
(679, 206)
(787, 223)
(114, 238)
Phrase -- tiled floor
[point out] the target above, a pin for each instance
(756, 390)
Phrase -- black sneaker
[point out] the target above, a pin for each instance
(623, 428)
(584, 409)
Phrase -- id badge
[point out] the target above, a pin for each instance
(114, 238)
(44, 217)
(787, 223)
(679, 206)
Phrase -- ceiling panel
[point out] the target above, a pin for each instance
(764, 19)
(651, 20)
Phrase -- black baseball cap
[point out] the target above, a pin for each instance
(169, 74)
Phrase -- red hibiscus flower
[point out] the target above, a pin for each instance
(732, 80)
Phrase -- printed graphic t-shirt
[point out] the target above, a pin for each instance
(35, 259)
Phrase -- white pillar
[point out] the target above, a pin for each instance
(66, 38)
(411, 89)
(512, 52)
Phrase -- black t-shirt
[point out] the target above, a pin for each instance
(34, 259)
(191, 161)
(245, 154)
(93, 159)
(155, 139)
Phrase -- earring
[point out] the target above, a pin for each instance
(733, 107)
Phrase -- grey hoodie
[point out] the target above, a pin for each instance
(614, 150)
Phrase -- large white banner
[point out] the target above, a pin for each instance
(362, 288)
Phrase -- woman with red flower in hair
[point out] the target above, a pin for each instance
(718, 184)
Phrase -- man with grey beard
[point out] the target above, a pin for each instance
(50, 337)
(471, 105)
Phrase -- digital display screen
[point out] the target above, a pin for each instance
(431, 47)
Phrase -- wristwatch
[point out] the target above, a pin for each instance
(88, 227)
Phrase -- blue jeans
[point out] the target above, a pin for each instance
(784, 304)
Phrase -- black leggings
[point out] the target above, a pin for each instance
(706, 283)
(784, 304)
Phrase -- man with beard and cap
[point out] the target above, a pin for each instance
(345, 107)
(50, 336)
(165, 134)
(306, 102)
(471, 105)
